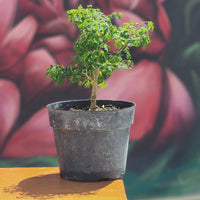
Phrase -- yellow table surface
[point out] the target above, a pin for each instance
(45, 183)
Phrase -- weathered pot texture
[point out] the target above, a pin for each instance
(91, 145)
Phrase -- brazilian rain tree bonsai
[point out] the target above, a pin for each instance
(95, 60)
(92, 145)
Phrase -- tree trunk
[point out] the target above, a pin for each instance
(94, 90)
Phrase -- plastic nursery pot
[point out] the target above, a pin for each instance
(91, 145)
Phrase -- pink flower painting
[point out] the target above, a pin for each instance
(35, 34)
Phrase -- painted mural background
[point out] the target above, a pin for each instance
(164, 156)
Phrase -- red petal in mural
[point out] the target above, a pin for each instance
(59, 26)
(180, 115)
(20, 36)
(35, 137)
(9, 107)
(7, 15)
(141, 85)
(42, 10)
(34, 79)
(54, 44)
(163, 21)
(125, 4)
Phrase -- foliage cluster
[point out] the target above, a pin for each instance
(101, 48)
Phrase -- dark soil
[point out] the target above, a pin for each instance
(98, 108)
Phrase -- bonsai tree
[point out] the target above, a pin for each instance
(95, 60)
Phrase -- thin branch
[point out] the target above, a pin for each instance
(86, 75)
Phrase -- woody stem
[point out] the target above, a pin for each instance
(94, 89)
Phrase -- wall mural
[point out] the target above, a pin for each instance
(164, 156)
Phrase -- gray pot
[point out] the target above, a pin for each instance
(91, 145)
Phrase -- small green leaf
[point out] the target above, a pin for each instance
(150, 25)
(102, 85)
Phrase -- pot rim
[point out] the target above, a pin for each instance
(129, 104)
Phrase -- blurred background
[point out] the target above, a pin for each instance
(164, 156)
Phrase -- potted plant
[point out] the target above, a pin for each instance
(92, 136)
